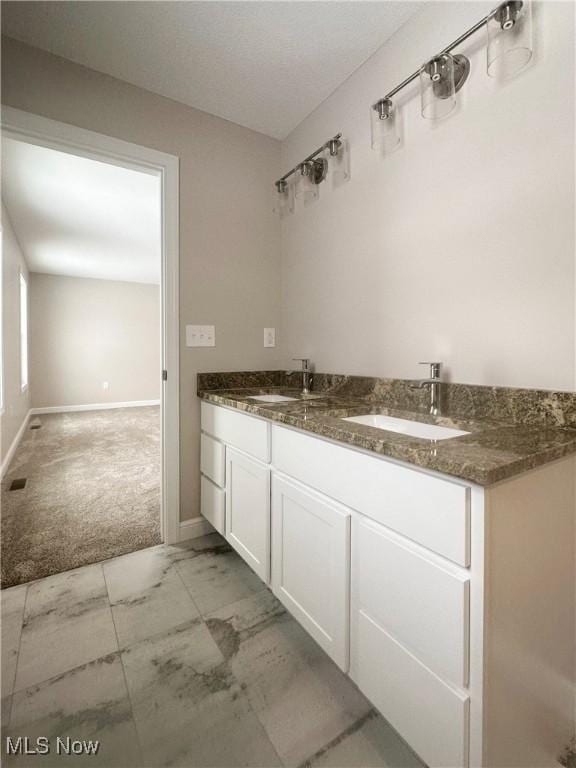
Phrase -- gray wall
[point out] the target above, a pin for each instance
(229, 237)
(16, 401)
(84, 332)
(459, 246)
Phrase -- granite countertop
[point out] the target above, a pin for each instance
(493, 451)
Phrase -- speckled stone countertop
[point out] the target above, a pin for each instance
(511, 430)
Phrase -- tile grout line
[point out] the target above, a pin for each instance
(128, 694)
(201, 614)
(200, 618)
(251, 708)
(174, 564)
(265, 587)
(204, 615)
(339, 738)
(78, 666)
(239, 683)
(244, 694)
(14, 689)
(160, 632)
(342, 736)
(98, 658)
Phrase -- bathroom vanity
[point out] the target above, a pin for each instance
(450, 602)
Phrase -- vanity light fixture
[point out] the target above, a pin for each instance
(312, 171)
(337, 154)
(283, 198)
(440, 79)
(383, 126)
(333, 146)
(509, 28)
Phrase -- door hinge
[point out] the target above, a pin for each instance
(164, 375)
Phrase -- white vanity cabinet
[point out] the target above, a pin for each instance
(311, 563)
(235, 482)
(248, 510)
(451, 605)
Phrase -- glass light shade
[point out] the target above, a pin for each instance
(283, 198)
(437, 87)
(384, 126)
(337, 153)
(509, 30)
(306, 188)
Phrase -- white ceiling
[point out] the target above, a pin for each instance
(79, 217)
(263, 65)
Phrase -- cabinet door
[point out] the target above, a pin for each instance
(248, 510)
(311, 564)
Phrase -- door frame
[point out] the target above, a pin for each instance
(41, 131)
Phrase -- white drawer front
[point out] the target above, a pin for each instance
(311, 564)
(212, 504)
(213, 460)
(419, 602)
(429, 510)
(430, 715)
(238, 430)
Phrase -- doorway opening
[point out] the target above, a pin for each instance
(90, 231)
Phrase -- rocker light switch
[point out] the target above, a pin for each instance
(200, 336)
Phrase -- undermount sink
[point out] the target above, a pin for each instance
(407, 427)
(272, 398)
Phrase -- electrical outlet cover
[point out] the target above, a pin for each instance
(269, 337)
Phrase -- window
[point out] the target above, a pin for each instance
(23, 331)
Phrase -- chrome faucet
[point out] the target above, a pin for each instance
(434, 382)
(306, 374)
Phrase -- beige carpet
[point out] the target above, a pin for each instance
(92, 492)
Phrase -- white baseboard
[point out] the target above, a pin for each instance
(12, 450)
(192, 529)
(92, 407)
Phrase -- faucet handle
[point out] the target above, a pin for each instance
(434, 368)
(303, 360)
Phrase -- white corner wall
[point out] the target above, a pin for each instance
(84, 332)
(458, 247)
(16, 401)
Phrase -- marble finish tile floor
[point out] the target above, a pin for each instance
(178, 656)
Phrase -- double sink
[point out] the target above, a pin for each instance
(408, 427)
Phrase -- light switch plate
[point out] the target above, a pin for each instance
(200, 336)
(269, 337)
